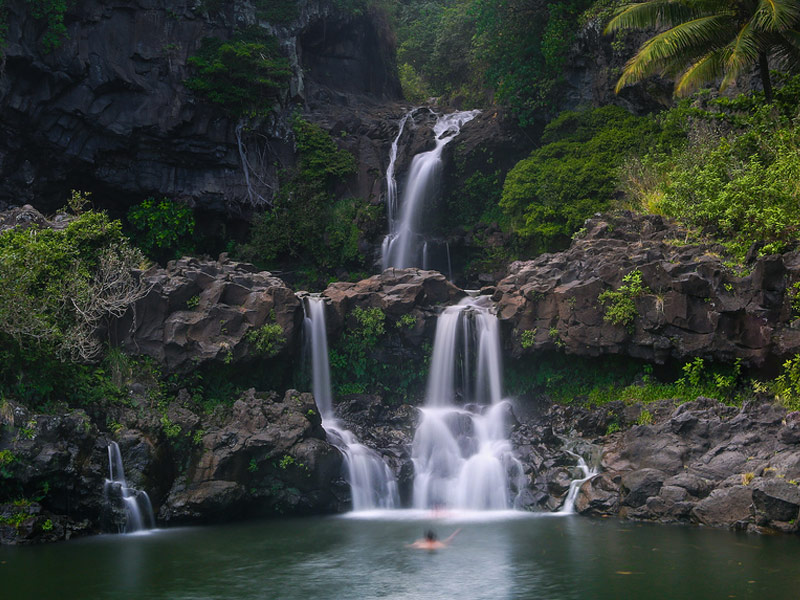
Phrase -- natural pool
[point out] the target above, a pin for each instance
(519, 557)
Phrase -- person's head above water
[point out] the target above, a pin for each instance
(430, 535)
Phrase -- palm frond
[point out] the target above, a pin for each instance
(655, 13)
(776, 15)
(742, 52)
(786, 51)
(681, 43)
(708, 68)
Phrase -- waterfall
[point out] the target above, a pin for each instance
(462, 456)
(391, 182)
(575, 484)
(138, 510)
(402, 247)
(372, 483)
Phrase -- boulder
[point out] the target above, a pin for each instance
(693, 304)
(200, 311)
(775, 500)
(729, 507)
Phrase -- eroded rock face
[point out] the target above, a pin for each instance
(703, 463)
(267, 454)
(694, 305)
(201, 311)
(57, 463)
(108, 111)
(396, 292)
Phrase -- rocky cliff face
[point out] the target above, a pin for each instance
(107, 110)
(694, 304)
(701, 462)
(264, 455)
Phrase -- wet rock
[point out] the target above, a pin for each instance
(108, 107)
(775, 500)
(725, 507)
(599, 496)
(269, 454)
(198, 312)
(638, 486)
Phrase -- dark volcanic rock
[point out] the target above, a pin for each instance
(776, 500)
(694, 305)
(396, 292)
(200, 311)
(108, 111)
(706, 463)
(264, 455)
(269, 455)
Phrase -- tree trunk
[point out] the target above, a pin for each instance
(763, 67)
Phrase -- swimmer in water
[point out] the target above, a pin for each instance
(429, 542)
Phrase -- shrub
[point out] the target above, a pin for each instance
(52, 13)
(304, 221)
(267, 339)
(737, 180)
(244, 75)
(162, 229)
(620, 304)
(549, 195)
(57, 286)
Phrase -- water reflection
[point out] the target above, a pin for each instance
(343, 558)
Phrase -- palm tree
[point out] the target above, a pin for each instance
(710, 39)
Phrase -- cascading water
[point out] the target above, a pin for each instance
(372, 483)
(138, 510)
(462, 456)
(403, 247)
(575, 484)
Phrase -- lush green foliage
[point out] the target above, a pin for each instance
(57, 287)
(738, 179)
(786, 386)
(306, 224)
(524, 45)
(467, 48)
(267, 339)
(620, 304)
(570, 379)
(549, 195)
(52, 13)
(709, 40)
(162, 229)
(357, 366)
(244, 75)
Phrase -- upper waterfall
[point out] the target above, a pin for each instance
(404, 245)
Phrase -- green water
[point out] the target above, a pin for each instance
(341, 558)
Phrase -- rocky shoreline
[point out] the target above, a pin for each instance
(700, 462)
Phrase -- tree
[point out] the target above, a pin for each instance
(710, 39)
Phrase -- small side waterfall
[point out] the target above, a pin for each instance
(575, 484)
(403, 247)
(462, 456)
(138, 510)
(372, 482)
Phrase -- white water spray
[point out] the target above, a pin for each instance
(462, 456)
(138, 510)
(372, 483)
(403, 246)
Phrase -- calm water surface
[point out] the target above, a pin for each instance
(550, 558)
